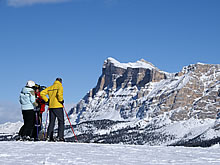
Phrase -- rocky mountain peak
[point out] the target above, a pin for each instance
(121, 75)
(144, 61)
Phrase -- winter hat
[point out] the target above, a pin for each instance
(59, 79)
(30, 84)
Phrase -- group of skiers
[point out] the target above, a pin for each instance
(33, 99)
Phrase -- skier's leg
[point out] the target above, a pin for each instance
(52, 118)
(28, 116)
(60, 117)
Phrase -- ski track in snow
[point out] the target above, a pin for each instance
(50, 153)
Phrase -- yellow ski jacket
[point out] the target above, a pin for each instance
(55, 93)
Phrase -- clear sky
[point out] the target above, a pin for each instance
(44, 39)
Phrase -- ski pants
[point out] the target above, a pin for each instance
(27, 128)
(37, 124)
(53, 114)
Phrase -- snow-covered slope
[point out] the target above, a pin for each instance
(8, 130)
(26, 153)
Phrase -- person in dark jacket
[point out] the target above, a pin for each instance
(38, 112)
(55, 101)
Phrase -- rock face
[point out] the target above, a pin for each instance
(116, 75)
(140, 90)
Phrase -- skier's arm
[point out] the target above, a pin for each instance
(43, 94)
(60, 94)
(32, 97)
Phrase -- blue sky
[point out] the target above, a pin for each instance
(44, 39)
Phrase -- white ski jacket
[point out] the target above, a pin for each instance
(27, 98)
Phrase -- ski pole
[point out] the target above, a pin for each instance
(36, 123)
(46, 123)
(70, 123)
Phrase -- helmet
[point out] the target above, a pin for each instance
(42, 88)
(30, 84)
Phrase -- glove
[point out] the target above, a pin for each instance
(62, 102)
(35, 104)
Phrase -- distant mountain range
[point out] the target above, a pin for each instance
(137, 103)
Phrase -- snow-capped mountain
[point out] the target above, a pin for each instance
(139, 104)
(9, 130)
(140, 90)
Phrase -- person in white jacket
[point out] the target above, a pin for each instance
(27, 101)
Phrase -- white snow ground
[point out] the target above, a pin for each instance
(49, 153)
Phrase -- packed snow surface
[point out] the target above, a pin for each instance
(26, 153)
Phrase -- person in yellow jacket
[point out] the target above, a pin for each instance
(55, 103)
